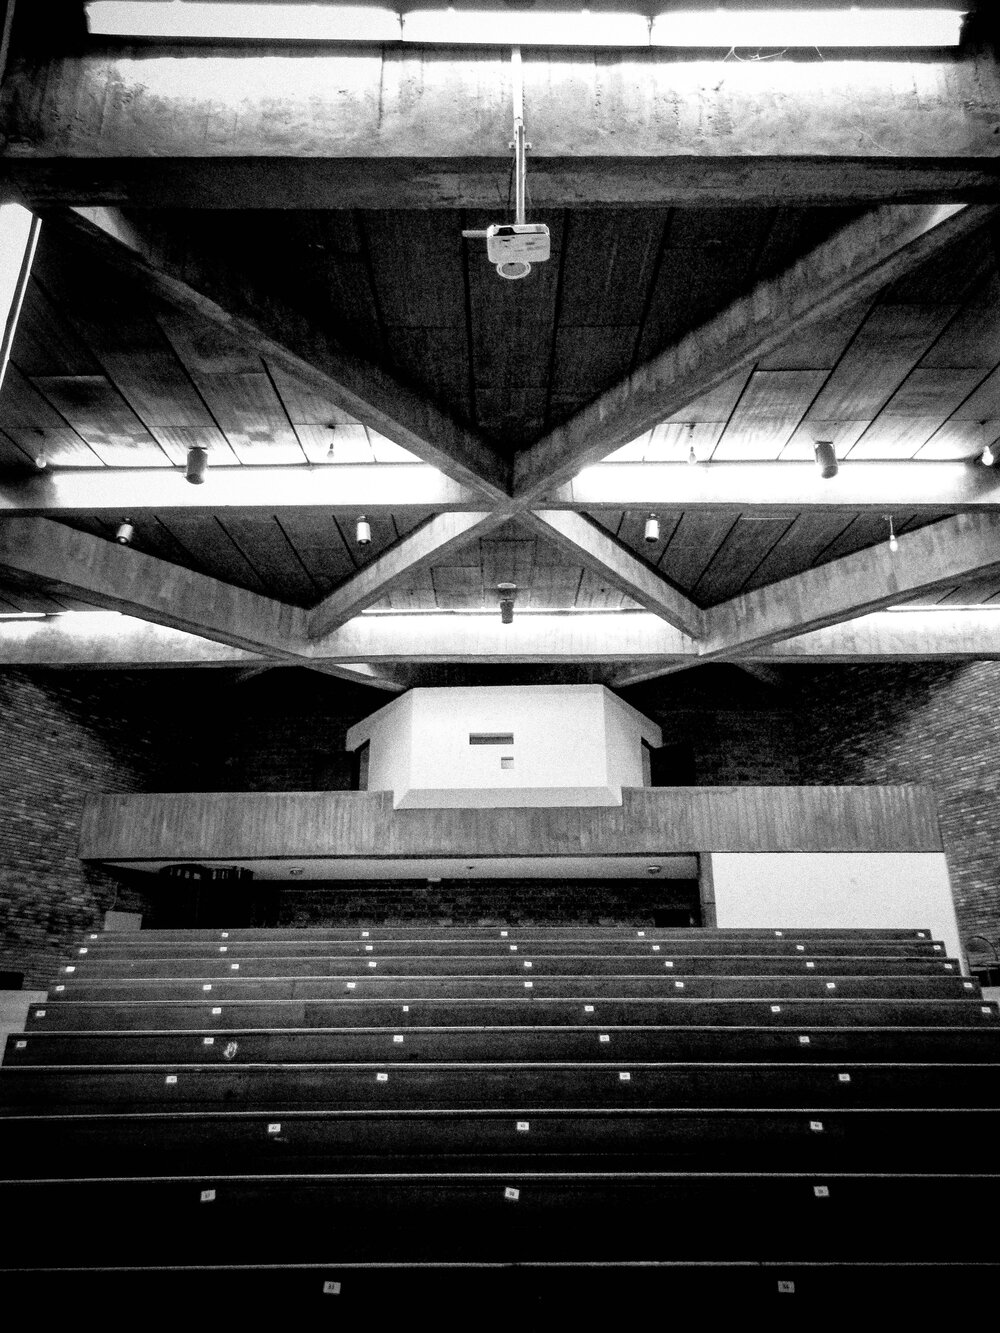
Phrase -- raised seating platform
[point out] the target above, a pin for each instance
(566, 1117)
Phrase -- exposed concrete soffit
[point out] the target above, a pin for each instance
(859, 260)
(431, 542)
(163, 262)
(585, 541)
(639, 644)
(855, 264)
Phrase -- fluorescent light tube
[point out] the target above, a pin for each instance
(720, 28)
(205, 19)
(808, 27)
(494, 27)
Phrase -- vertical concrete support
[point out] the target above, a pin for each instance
(706, 890)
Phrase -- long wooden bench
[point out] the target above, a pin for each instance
(237, 1140)
(499, 1108)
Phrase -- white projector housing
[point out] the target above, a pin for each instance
(515, 246)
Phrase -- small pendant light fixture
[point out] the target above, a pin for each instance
(692, 456)
(893, 541)
(197, 463)
(652, 533)
(363, 531)
(507, 592)
(826, 459)
(988, 455)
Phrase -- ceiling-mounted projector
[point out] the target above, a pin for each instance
(515, 246)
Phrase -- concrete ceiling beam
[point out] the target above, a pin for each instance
(369, 647)
(187, 126)
(938, 555)
(118, 578)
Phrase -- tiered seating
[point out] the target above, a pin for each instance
(571, 1118)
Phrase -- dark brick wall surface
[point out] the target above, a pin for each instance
(448, 902)
(63, 735)
(934, 724)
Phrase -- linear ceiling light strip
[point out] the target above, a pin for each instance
(832, 28)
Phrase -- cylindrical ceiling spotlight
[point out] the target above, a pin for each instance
(363, 531)
(124, 534)
(197, 462)
(826, 458)
(652, 533)
(507, 592)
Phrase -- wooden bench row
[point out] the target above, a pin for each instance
(579, 1295)
(419, 952)
(508, 1217)
(434, 1045)
(236, 983)
(236, 1141)
(127, 940)
(675, 1009)
(64, 1009)
(47, 1090)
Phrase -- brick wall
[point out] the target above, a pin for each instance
(934, 724)
(63, 735)
(456, 901)
(721, 728)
